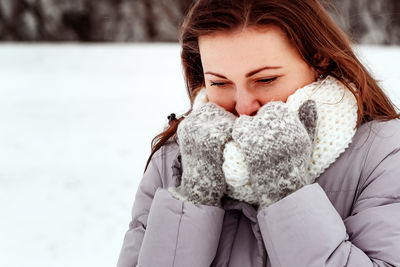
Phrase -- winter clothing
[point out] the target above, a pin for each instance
(209, 127)
(277, 145)
(203, 135)
(349, 217)
(337, 110)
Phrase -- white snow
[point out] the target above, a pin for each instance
(76, 123)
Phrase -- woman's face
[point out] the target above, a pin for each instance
(246, 69)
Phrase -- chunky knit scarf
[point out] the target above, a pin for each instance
(336, 126)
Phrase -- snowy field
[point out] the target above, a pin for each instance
(76, 126)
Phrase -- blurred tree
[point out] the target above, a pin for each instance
(91, 20)
(367, 21)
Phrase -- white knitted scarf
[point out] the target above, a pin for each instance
(336, 126)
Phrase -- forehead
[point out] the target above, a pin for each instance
(248, 47)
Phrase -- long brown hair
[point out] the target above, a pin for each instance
(308, 26)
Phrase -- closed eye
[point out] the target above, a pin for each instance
(267, 80)
(263, 81)
(217, 84)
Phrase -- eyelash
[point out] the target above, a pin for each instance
(217, 84)
(269, 80)
(265, 81)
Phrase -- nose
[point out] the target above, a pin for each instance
(246, 102)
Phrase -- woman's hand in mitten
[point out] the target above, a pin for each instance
(277, 145)
(202, 136)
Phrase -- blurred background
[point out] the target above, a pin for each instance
(84, 87)
(367, 21)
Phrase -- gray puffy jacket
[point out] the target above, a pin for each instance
(349, 217)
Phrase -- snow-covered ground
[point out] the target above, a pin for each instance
(76, 123)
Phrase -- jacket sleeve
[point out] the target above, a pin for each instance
(304, 229)
(167, 232)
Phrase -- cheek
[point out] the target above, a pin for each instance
(223, 98)
(286, 93)
(298, 80)
(280, 92)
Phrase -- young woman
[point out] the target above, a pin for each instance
(289, 156)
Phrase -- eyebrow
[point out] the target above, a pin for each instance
(251, 73)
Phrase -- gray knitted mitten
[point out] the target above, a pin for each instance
(277, 145)
(202, 136)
